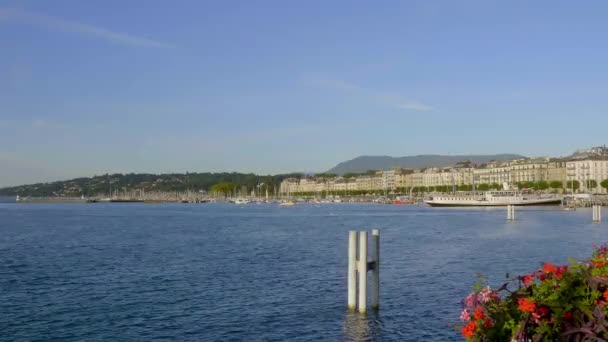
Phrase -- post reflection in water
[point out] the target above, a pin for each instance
(362, 327)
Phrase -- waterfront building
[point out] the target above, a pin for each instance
(463, 175)
(493, 173)
(587, 170)
(481, 175)
(335, 184)
(370, 182)
(289, 186)
(351, 184)
(529, 170)
(388, 179)
(584, 166)
(310, 185)
(431, 177)
(417, 178)
(342, 184)
(403, 178)
(377, 181)
(364, 182)
(556, 171)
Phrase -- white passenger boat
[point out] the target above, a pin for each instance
(491, 199)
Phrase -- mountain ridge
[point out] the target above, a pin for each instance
(364, 163)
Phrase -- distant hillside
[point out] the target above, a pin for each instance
(102, 185)
(364, 163)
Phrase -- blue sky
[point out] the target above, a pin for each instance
(89, 87)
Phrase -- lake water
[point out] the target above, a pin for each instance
(219, 272)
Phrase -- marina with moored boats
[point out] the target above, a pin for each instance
(433, 199)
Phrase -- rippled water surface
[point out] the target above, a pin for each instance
(217, 272)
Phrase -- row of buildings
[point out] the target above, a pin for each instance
(588, 167)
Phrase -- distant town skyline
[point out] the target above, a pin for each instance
(272, 87)
(585, 153)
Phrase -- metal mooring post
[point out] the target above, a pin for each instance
(510, 212)
(376, 270)
(352, 270)
(597, 213)
(359, 266)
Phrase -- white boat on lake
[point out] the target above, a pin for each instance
(491, 199)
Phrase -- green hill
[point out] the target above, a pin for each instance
(102, 185)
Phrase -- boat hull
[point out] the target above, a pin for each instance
(404, 202)
(51, 200)
(537, 202)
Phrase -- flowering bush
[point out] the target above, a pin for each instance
(554, 303)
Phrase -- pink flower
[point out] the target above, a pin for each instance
(465, 316)
(471, 300)
(486, 295)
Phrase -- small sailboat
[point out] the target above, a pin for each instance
(241, 201)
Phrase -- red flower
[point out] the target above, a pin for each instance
(528, 279)
(479, 314)
(600, 263)
(468, 330)
(568, 315)
(542, 311)
(488, 323)
(549, 268)
(606, 295)
(559, 273)
(526, 305)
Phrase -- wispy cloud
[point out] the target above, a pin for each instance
(57, 24)
(334, 84)
(388, 99)
(403, 103)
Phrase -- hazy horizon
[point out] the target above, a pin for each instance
(273, 87)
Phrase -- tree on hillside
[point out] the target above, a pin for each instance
(326, 175)
(222, 188)
(465, 163)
